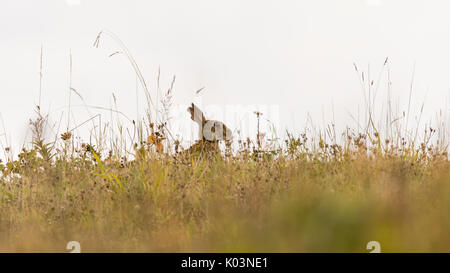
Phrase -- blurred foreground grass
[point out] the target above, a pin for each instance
(330, 199)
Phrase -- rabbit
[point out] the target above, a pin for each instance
(210, 133)
(209, 130)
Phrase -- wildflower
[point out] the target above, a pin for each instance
(66, 136)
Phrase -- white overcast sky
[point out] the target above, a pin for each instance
(296, 54)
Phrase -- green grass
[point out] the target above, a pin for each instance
(327, 198)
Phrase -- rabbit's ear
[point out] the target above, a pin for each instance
(191, 111)
(196, 114)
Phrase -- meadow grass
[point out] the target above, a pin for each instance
(298, 199)
(311, 193)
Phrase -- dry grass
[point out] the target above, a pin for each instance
(335, 198)
(312, 193)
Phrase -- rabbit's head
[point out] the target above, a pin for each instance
(210, 130)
